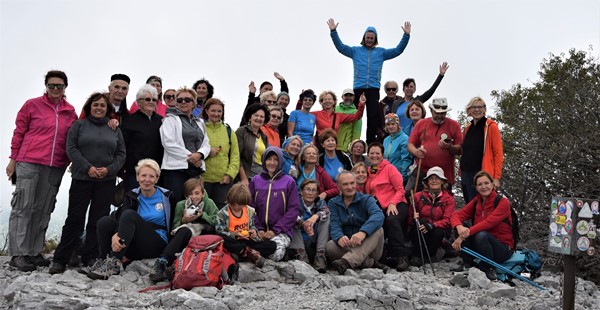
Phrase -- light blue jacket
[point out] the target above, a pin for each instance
(396, 152)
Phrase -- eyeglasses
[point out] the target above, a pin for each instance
(148, 99)
(478, 107)
(275, 116)
(310, 190)
(348, 95)
(271, 101)
(391, 89)
(186, 99)
(53, 86)
(169, 97)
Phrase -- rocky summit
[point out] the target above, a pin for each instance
(289, 285)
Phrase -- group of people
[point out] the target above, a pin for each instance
(272, 188)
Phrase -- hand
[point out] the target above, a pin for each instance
(93, 172)
(496, 183)
(188, 218)
(261, 234)
(195, 159)
(102, 172)
(443, 68)
(252, 233)
(416, 216)
(332, 24)
(425, 228)
(392, 209)
(115, 244)
(357, 238)
(113, 124)
(344, 242)
(226, 179)
(420, 153)
(278, 76)
(445, 145)
(10, 168)
(251, 87)
(308, 227)
(269, 234)
(463, 232)
(362, 98)
(214, 151)
(406, 27)
(322, 196)
(457, 243)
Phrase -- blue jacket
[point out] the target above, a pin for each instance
(368, 62)
(396, 152)
(363, 214)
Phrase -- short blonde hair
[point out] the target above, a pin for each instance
(184, 89)
(263, 97)
(472, 102)
(328, 92)
(150, 163)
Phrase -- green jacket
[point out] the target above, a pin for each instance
(209, 212)
(227, 161)
(347, 131)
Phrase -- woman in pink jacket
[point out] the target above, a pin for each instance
(38, 160)
(385, 183)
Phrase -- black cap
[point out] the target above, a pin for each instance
(120, 76)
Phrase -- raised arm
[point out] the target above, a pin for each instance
(390, 53)
(426, 95)
(341, 47)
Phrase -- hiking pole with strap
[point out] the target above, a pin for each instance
(506, 270)
(420, 234)
(412, 200)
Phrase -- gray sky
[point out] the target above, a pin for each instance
(489, 45)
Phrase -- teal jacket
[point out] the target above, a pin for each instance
(396, 152)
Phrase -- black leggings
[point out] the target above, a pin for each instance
(487, 245)
(141, 239)
(237, 246)
(433, 240)
(394, 228)
(375, 117)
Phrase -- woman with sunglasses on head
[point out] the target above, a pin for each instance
(160, 108)
(481, 148)
(38, 160)
(142, 134)
(271, 129)
(185, 143)
(301, 121)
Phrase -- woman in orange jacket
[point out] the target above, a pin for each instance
(481, 148)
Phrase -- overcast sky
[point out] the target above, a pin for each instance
(489, 45)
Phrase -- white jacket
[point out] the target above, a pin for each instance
(175, 154)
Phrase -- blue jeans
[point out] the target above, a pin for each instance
(487, 245)
(468, 185)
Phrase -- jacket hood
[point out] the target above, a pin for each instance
(174, 112)
(373, 30)
(270, 150)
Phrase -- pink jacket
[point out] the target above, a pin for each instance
(386, 185)
(41, 133)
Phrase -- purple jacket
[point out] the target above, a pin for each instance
(275, 199)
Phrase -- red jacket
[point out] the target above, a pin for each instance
(437, 211)
(326, 184)
(493, 155)
(325, 120)
(386, 185)
(40, 136)
(487, 218)
(272, 135)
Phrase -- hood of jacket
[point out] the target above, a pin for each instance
(369, 29)
(270, 150)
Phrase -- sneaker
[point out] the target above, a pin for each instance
(108, 267)
(341, 265)
(22, 263)
(158, 271)
(301, 256)
(462, 267)
(385, 268)
(490, 273)
(39, 260)
(320, 263)
(57, 268)
(90, 265)
(403, 263)
(255, 257)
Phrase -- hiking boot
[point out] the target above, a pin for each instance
(341, 265)
(22, 263)
(416, 261)
(301, 256)
(255, 257)
(39, 260)
(158, 271)
(92, 264)
(320, 263)
(462, 267)
(490, 273)
(57, 268)
(74, 259)
(385, 268)
(403, 263)
(108, 267)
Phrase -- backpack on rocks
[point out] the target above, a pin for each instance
(521, 261)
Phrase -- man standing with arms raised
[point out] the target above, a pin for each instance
(368, 62)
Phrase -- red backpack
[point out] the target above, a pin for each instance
(204, 262)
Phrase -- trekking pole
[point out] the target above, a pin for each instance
(412, 200)
(506, 270)
(420, 234)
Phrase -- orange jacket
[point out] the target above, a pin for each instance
(272, 135)
(493, 155)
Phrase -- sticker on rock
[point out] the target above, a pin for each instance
(586, 212)
(570, 205)
(566, 245)
(562, 208)
(583, 243)
(595, 208)
(591, 251)
(569, 226)
(553, 229)
(554, 205)
(579, 203)
(560, 219)
(582, 227)
(569, 210)
(592, 234)
(555, 242)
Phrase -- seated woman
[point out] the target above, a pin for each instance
(195, 215)
(302, 122)
(491, 233)
(310, 170)
(434, 207)
(314, 217)
(275, 199)
(139, 228)
(360, 170)
(356, 152)
(235, 223)
(291, 153)
(332, 160)
(395, 146)
(385, 184)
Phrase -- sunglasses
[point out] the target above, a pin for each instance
(275, 116)
(58, 86)
(169, 97)
(391, 89)
(186, 99)
(439, 106)
(148, 99)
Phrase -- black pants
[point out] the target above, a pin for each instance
(487, 245)
(433, 241)
(375, 117)
(237, 246)
(394, 228)
(217, 192)
(80, 195)
(174, 179)
(141, 239)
